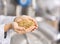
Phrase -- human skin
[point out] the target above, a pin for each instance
(18, 29)
(7, 27)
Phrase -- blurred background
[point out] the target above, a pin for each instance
(46, 11)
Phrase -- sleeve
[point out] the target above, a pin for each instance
(1, 34)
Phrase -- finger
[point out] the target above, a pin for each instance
(30, 29)
(21, 28)
(34, 29)
(20, 32)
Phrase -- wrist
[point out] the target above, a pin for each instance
(7, 27)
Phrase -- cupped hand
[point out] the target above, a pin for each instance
(23, 30)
